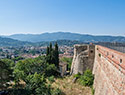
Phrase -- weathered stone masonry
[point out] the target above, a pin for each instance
(83, 58)
(108, 68)
(109, 71)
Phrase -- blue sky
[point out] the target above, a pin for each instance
(96, 17)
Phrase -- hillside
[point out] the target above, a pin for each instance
(66, 36)
(12, 42)
(60, 42)
(4, 41)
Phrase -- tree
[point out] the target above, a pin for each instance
(50, 70)
(10, 62)
(36, 83)
(47, 51)
(52, 55)
(33, 72)
(56, 53)
(5, 74)
(50, 49)
(29, 66)
(49, 54)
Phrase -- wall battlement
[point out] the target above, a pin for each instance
(114, 57)
(109, 71)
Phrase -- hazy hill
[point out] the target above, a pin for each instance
(12, 42)
(66, 36)
(60, 43)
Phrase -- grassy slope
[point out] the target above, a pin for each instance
(69, 88)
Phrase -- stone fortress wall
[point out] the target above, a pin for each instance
(108, 67)
(109, 71)
(83, 58)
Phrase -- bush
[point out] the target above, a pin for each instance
(19, 92)
(92, 90)
(51, 79)
(87, 78)
(56, 92)
(77, 75)
(6, 74)
(37, 84)
(50, 70)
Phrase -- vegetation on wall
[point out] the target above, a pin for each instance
(99, 55)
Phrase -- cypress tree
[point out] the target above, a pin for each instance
(48, 59)
(56, 53)
(52, 55)
(47, 51)
(50, 52)
(50, 49)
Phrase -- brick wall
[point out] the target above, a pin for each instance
(109, 71)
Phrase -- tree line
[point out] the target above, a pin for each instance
(29, 76)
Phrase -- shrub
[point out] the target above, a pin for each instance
(77, 75)
(19, 92)
(56, 92)
(51, 79)
(6, 74)
(36, 83)
(50, 70)
(92, 90)
(87, 78)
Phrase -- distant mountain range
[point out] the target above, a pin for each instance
(63, 38)
(66, 36)
(11, 42)
(8, 42)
